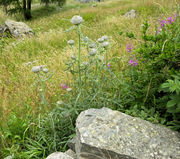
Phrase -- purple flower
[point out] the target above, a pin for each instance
(170, 20)
(109, 65)
(64, 86)
(162, 23)
(129, 48)
(133, 63)
(176, 15)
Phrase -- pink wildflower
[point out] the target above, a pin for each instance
(133, 63)
(129, 48)
(109, 65)
(64, 86)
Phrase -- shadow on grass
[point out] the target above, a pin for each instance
(44, 11)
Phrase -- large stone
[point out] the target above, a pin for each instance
(131, 14)
(59, 155)
(106, 134)
(18, 29)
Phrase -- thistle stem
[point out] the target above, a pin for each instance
(79, 55)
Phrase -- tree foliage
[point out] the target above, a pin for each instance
(24, 6)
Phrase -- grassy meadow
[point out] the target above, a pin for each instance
(49, 47)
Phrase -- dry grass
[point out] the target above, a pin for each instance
(49, 46)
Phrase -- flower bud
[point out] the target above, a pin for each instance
(36, 69)
(92, 45)
(105, 44)
(105, 37)
(45, 70)
(100, 40)
(92, 52)
(71, 42)
(76, 20)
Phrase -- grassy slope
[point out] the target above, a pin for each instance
(49, 45)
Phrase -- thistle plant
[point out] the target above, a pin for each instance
(42, 76)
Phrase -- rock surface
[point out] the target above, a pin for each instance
(106, 134)
(71, 153)
(59, 155)
(18, 29)
(131, 14)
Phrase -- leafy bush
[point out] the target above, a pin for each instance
(158, 57)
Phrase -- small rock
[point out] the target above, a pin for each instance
(131, 14)
(59, 155)
(71, 153)
(18, 29)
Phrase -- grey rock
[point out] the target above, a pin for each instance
(131, 14)
(106, 134)
(59, 155)
(71, 144)
(18, 29)
(71, 153)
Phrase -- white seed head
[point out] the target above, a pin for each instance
(36, 69)
(105, 44)
(71, 42)
(92, 45)
(69, 89)
(105, 37)
(92, 52)
(100, 40)
(45, 70)
(76, 20)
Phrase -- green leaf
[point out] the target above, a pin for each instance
(171, 103)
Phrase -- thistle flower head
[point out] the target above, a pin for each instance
(36, 69)
(45, 70)
(92, 52)
(100, 40)
(76, 20)
(105, 44)
(105, 37)
(70, 42)
(86, 39)
(92, 45)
